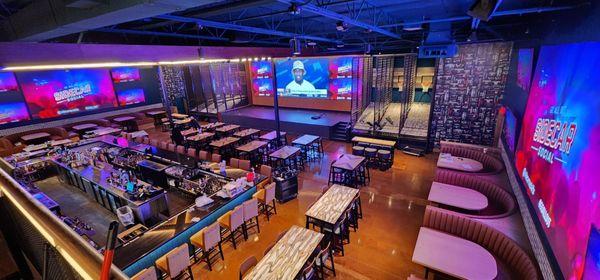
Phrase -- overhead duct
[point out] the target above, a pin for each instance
(48, 19)
(439, 42)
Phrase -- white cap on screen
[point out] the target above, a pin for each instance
(298, 65)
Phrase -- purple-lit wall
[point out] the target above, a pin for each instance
(21, 53)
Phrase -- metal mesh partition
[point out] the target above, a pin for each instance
(410, 73)
(382, 89)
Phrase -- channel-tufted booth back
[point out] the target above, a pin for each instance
(491, 164)
(497, 196)
(516, 263)
(494, 151)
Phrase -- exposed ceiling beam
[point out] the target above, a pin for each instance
(334, 15)
(496, 14)
(244, 28)
(48, 19)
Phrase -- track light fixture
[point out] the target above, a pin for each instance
(341, 26)
(294, 9)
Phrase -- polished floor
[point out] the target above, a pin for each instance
(393, 206)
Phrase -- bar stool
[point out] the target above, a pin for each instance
(324, 255)
(180, 149)
(153, 142)
(215, 158)
(250, 214)
(265, 196)
(146, 274)
(171, 147)
(176, 262)
(247, 265)
(384, 158)
(204, 155)
(208, 240)
(358, 150)
(232, 222)
(371, 155)
(309, 271)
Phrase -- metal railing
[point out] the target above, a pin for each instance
(53, 249)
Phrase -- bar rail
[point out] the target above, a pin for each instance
(84, 261)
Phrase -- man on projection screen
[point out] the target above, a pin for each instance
(299, 85)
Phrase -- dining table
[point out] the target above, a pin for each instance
(453, 256)
(212, 126)
(456, 196)
(449, 161)
(287, 155)
(35, 138)
(331, 206)
(351, 168)
(249, 132)
(288, 256)
(157, 115)
(84, 126)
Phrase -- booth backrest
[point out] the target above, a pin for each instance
(494, 151)
(8, 142)
(514, 258)
(497, 195)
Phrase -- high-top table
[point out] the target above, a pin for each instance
(189, 132)
(246, 133)
(271, 136)
(227, 128)
(289, 255)
(453, 255)
(373, 141)
(223, 144)
(286, 154)
(212, 126)
(157, 116)
(35, 138)
(127, 122)
(328, 210)
(352, 167)
(252, 150)
(459, 163)
(456, 196)
(305, 141)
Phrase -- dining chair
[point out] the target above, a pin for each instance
(244, 164)
(191, 152)
(247, 265)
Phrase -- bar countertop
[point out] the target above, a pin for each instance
(131, 252)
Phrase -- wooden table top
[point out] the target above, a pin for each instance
(246, 132)
(457, 197)
(104, 131)
(287, 258)
(179, 116)
(349, 162)
(285, 152)
(459, 163)
(182, 121)
(200, 137)
(227, 128)
(35, 136)
(224, 142)
(305, 139)
(332, 205)
(212, 125)
(272, 135)
(124, 119)
(155, 113)
(453, 255)
(374, 141)
(249, 147)
(189, 132)
(84, 126)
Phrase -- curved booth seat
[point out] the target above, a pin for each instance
(494, 151)
(491, 164)
(501, 202)
(513, 262)
(8, 143)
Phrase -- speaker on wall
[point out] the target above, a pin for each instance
(483, 9)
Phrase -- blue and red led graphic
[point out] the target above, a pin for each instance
(524, 68)
(262, 87)
(261, 69)
(125, 74)
(8, 82)
(13, 112)
(340, 67)
(559, 150)
(131, 96)
(56, 93)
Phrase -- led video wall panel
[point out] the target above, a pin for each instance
(558, 155)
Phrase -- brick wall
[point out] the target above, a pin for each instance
(468, 89)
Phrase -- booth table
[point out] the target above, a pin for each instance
(127, 122)
(453, 255)
(84, 127)
(35, 138)
(459, 163)
(328, 210)
(289, 255)
(456, 196)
